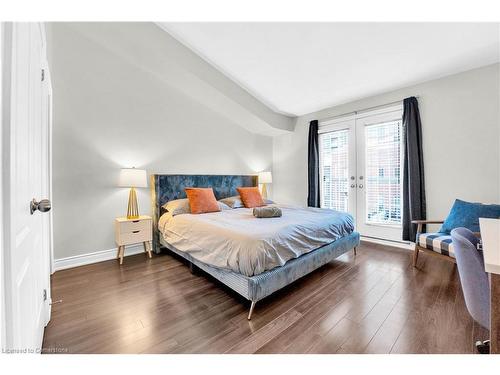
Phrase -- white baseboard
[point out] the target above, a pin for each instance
(401, 245)
(96, 257)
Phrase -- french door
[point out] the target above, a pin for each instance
(360, 170)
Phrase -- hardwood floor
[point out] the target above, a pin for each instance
(375, 302)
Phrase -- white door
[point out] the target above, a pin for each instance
(26, 158)
(379, 161)
(360, 170)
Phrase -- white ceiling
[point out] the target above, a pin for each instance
(297, 68)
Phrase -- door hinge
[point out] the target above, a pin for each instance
(45, 294)
(43, 75)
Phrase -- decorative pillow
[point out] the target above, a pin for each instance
(177, 206)
(467, 214)
(181, 206)
(251, 197)
(233, 202)
(202, 200)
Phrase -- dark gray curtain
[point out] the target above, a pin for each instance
(413, 169)
(313, 164)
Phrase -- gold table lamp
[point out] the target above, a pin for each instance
(133, 178)
(265, 178)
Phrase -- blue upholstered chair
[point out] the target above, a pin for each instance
(462, 214)
(473, 277)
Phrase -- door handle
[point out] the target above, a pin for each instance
(43, 206)
(360, 186)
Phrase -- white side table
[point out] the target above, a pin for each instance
(132, 231)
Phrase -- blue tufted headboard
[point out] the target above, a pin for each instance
(167, 187)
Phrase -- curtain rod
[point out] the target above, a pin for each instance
(366, 109)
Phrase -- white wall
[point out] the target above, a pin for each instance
(112, 112)
(2, 261)
(460, 121)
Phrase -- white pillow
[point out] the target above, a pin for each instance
(181, 206)
(177, 206)
(235, 201)
(223, 206)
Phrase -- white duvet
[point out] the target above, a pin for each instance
(238, 241)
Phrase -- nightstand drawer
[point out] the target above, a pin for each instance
(135, 225)
(134, 237)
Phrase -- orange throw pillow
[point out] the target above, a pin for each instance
(250, 196)
(201, 200)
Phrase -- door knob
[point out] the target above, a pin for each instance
(43, 206)
(353, 186)
(360, 186)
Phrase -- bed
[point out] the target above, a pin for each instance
(254, 257)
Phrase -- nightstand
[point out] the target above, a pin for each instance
(132, 231)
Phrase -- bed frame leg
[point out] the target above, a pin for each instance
(354, 248)
(251, 309)
(193, 269)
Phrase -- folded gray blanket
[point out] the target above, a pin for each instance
(267, 211)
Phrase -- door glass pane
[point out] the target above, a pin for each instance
(334, 170)
(383, 173)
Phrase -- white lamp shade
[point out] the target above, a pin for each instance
(131, 177)
(265, 178)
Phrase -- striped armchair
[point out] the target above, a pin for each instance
(438, 244)
(435, 243)
(462, 214)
